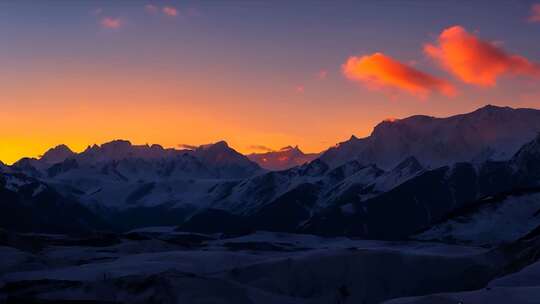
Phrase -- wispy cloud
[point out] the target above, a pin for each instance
(535, 13)
(260, 148)
(170, 11)
(475, 61)
(300, 89)
(186, 146)
(378, 71)
(111, 23)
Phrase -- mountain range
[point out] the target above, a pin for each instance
(284, 158)
(408, 176)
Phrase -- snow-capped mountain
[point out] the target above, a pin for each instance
(118, 176)
(36, 166)
(489, 133)
(126, 160)
(282, 159)
(122, 149)
(226, 160)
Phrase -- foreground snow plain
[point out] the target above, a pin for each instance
(162, 265)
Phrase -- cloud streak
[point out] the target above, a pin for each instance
(378, 71)
(170, 11)
(186, 146)
(475, 61)
(260, 148)
(111, 23)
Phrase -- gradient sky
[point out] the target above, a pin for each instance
(270, 73)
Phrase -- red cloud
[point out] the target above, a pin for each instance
(111, 23)
(475, 61)
(380, 71)
(535, 13)
(170, 11)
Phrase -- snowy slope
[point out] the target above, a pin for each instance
(286, 200)
(497, 221)
(260, 191)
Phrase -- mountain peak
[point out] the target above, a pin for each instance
(121, 149)
(220, 145)
(291, 149)
(219, 151)
(490, 107)
(117, 144)
(284, 158)
(57, 154)
(222, 157)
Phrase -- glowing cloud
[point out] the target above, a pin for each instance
(378, 71)
(170, 11)
(111, 23)
(475, 61)
(300, 89)
(535, 13)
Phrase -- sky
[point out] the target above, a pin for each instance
(258, 74)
